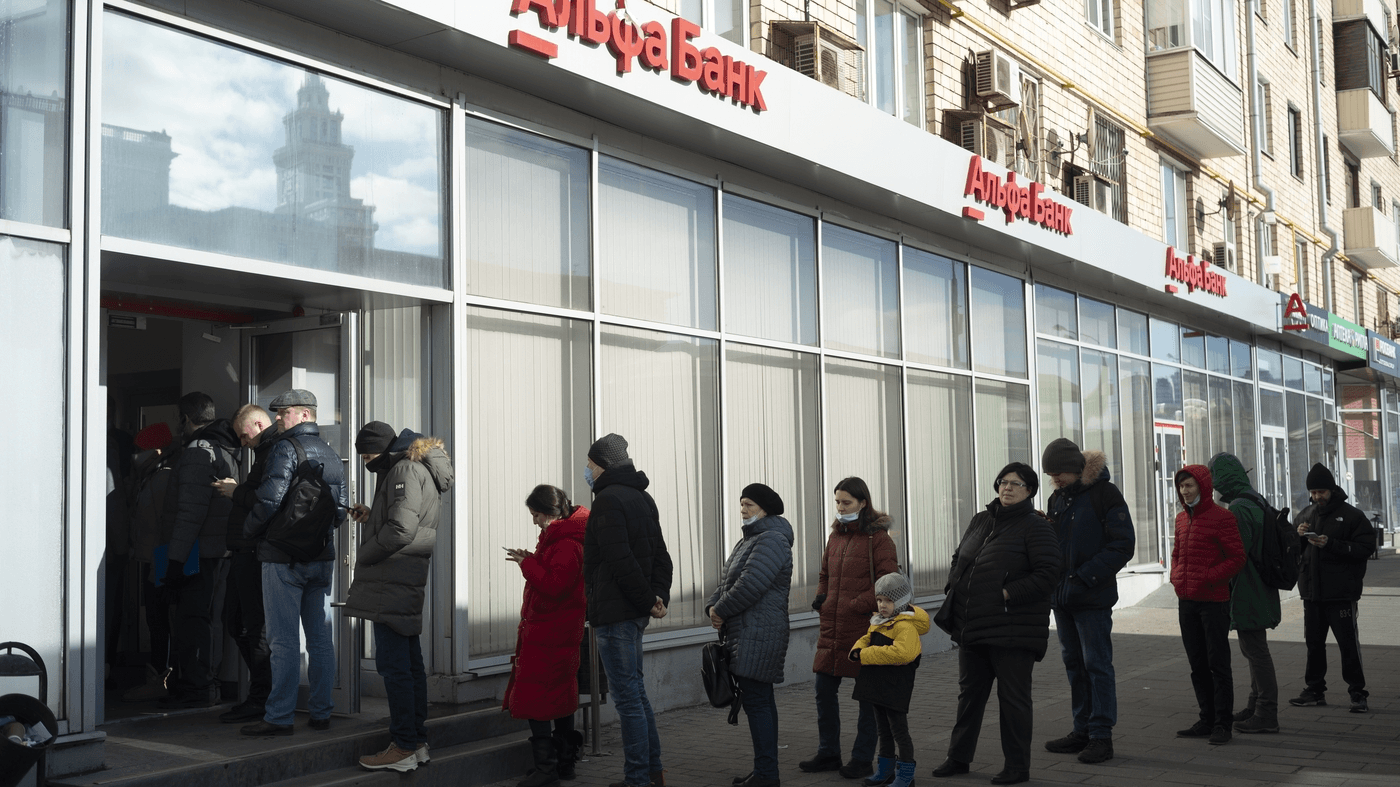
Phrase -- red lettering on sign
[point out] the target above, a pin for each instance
(1196, 275)
(754, 78)
(624, 42)
(542, 8)
(735, 85)
(712, 71)
(1295, 315)
(533, 44)
(1014, 200)
(654, 47)
(685, 58)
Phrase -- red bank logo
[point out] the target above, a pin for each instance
(720, 75)
(1295, 316)
(1014, 200)
(1195, 275)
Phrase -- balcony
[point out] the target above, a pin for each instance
(1194, 105)
(1373, 11)
(1369, 238)
(1363, 123)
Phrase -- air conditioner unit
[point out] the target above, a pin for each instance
(988, 139)
(1092, 192)
(1224, 255)
(998, 79)
(818, 51)
(1393, 60)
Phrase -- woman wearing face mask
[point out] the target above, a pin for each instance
(998, 611)
(858, 552)
(750, 607)
(543, 684)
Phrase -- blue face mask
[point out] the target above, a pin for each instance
(588, 476)
(851, 517)
(752, 519)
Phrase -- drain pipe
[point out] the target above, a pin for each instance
(1255, 113)
(1322, 183)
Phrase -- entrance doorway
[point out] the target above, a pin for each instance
(1170, 456)
(1273, 480)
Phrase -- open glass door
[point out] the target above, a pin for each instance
(1170, 455)
(1273, 480)
(314, 353)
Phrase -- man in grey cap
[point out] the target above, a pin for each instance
(627, 578)
(296, 591)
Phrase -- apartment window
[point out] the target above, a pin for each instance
(1377, 198)
(1326, 170)
(1211, 30)
(1300, 268)
(1382, 307)
(1358, 312)
(1260, 9)
(1289, 9)
(1025, 118)
(1174, 206)
(1264, 233)
(724, 18)
(1263, 101)
(1395, 220)
(1100, 15)
(1110, 163)
(892, 36)
(1295, 142)
(1353, 184)
(1361, 55)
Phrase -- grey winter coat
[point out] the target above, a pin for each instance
(752, 599)
(391, 567)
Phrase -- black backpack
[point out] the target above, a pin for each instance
(1277, 554)
(302, 526)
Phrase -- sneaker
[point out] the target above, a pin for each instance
(1073, 743)
(320, 725)
(1256, 724)
(391, 759)
(950, 767)
(1244, 715)
(1198, 730)
(1098, 750)
(1358, 705)
(1309, 697)
(856, 770)
(243, 711)
(1220, 734)
(153, 689)
(820, 763)
(264, 729)
(422, 753)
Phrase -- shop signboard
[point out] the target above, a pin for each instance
(1031, 202)
(1195, 274)
(1346, 336)
(1381, 354)
(1301, 318)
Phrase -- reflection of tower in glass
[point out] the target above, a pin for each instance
(313, 178)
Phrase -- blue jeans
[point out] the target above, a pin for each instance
(1086, 645)
(829, 723)
(292, 592)
(399, 661)
(620, 651)
(762, 709)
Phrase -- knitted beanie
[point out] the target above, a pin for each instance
(1062, 456)
(1319, 477)
(765, 498)
(896, 588)
(157, 435)
(609, 451)
(375, 437)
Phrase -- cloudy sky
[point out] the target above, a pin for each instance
(223, 109)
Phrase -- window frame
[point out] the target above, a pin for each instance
(707, 14)
(1175, 229)
(904, 13)
(1295, 142)
(1094, 11)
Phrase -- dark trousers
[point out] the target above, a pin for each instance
(1086, 646)
(247, 625)
(978, 666)
(116, 604)
(399, 661)
(1340, 618)
(892, 727)
(195, 641)
(545, 728)
(156, 600)
(761, 708)
(1205, 633)
(1263, 683)
(829, 722)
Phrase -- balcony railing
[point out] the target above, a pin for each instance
(1370, 238)
(1194, 105)
(1363, 123)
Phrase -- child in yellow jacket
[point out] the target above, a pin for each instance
(888, 655)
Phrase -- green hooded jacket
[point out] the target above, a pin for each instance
(1253, 604)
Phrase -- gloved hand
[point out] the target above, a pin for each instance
(818, 601)
(854, 655)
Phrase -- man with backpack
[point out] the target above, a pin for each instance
(297, 587)
(1095, 531)
(191, 557)
(1254, 604)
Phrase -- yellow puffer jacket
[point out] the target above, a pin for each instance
(889, 653)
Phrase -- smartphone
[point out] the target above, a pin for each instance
(1311, 534)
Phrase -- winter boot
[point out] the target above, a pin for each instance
(903, 774)
(546, 770)
(567, 746)
(154, 688)
(1246, 713)
(884, 772)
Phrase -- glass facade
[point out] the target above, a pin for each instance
(34, 59)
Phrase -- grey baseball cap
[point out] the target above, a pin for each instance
(297, 397)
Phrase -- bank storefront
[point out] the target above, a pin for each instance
(468, 223)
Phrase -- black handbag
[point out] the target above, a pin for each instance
(720, 684)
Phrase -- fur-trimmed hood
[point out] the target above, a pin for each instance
(882, 522)
(419, 449)
(1095, 468)
(428, 451)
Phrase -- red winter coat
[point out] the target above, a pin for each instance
(853, 553)
(1208, 552)
(544, 679)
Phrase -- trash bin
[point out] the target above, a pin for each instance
(1380, 540)
(16, 759)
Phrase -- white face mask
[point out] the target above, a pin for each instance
(851, 517)
(752, 519)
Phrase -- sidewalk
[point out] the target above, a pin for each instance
(1316, 745)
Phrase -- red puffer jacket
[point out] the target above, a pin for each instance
(1208, 552)
(854, 553)
(544, 681)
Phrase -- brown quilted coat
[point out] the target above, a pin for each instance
(851, 549)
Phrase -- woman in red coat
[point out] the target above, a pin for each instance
(543, 684)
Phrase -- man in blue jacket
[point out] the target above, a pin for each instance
(1096, 537)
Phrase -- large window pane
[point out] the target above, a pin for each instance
(1318, 450)
(1102, 422)
(770, 272)
(1166, 340)
(33, 292)
(942, 480)
(1392, 450)
(860, 275)
(1195, 408)
(935, 303)
(1222, 418)
(1003, 430)
(33, 111)
(213, 148)
(1293, 373)
(526, 217)
(1057, 373)
(1193, 347)
(661, 392)
(865, 435)
(911, 54)
(1300, 460)
(1132, 332)
(882, 61)
(1096, 324)
(999, 312)
(1270, 367)
(1138, 482)
(1240, 365)
(1246, 437)
(530, 422)
(1166, 392)
(774, 438)
(657, 245)
(1218, 354)
(1055, 313)
(1271, 408)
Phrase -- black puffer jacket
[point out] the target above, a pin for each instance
(194, 510)
(752, 599)
(625, 562)
(277, 477)
(1335, 572)
(1009, 547)
(245, 495)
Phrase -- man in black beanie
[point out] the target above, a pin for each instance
(1336, 541)
(627, 578)
(1095, 531)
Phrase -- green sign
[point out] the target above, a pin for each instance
(1346, 336)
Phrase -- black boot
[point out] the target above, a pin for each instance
(566, 747)
(546, 770)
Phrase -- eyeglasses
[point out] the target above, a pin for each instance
(1013, 484)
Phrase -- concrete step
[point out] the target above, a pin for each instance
(466, 765)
